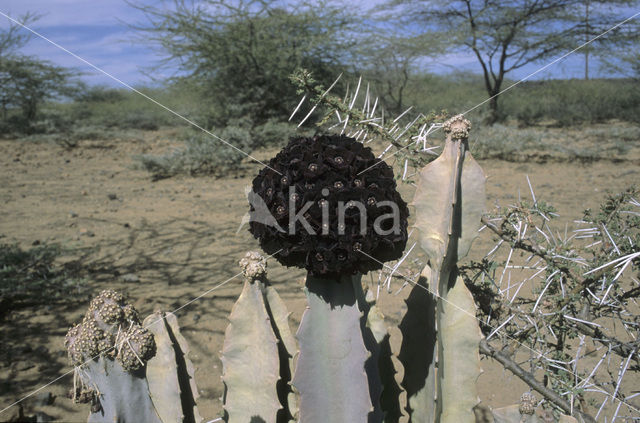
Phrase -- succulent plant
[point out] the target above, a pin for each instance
(336, 212)
(335, 207)
(115, 358)
(449, 202)
(327, 199)
(110, 327)
(258, 351)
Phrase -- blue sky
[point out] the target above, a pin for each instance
(97, 31)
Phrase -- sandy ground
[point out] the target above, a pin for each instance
(180, 238)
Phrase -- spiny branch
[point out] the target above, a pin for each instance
(530, 380)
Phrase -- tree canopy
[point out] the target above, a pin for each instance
(503, 35)
(26, 82)
(241, 52)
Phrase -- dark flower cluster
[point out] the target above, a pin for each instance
(325, 195)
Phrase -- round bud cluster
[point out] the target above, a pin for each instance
(110, 328)
(527, 403)
(457, 127)
(254, 265)
(319, 201)
(136, 347)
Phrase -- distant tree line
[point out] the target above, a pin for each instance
(236, 56)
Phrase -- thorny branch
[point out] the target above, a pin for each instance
(366, 123)
(566, 297)
(579, 287)
(529, 379)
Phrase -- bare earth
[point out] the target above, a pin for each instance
(180, 238)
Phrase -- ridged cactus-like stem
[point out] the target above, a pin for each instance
(449, 202)
(170, 373)
(123, 395)
(330, 373)
(131, 372)
(459, 365)
(287, 351)
(390, 396)
(418, 352)
(256, 354)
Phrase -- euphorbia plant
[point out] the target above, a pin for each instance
(328, 205)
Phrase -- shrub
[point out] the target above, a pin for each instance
(30, 277)
(203, 154)
(571, 102)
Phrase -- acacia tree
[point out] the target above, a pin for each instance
(241, 52)
(25, 82)
(13, 37)
(597, 17)
(617, 51)
(503, 35)
(390, 62)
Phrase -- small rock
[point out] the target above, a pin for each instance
(45, 398)
(86, 232)
(84, 192)
(112, 196)
(73, 214)
(126, 225)
(130, 277)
